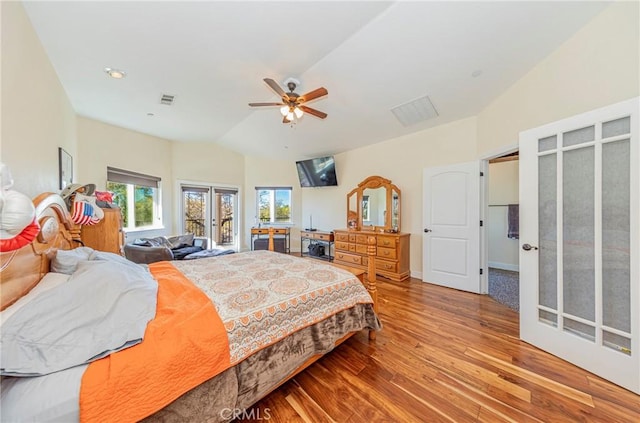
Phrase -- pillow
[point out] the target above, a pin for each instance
(66, 261)
(49, 281)
(180, 241)
(103, 307)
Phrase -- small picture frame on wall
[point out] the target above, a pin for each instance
(65, 162)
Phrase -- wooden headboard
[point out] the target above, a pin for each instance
(22, 269)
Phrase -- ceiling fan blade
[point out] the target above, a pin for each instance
(314, 112)
(312, 95)
(275, 87)
(265, 104)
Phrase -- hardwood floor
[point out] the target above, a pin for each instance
(444, 356)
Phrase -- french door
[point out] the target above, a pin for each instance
(211, 212)
(580, 241)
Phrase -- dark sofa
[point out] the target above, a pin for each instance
(150, 250)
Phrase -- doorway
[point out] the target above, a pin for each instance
(502, 229)
(211, 213)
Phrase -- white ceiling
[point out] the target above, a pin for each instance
(371, 56)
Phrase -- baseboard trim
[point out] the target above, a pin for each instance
(417, 275)
(505, 266)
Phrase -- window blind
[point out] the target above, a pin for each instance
(128, 177)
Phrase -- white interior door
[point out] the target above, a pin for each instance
(451, 238)
(579, 235)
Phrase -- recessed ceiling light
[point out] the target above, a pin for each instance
(115, 73)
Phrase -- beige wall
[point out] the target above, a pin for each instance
(402, 160)
(596, 67)
(37, 116)
(502, 190)
(101, 145)
(259, 171)
(599, 65)
(207, 164)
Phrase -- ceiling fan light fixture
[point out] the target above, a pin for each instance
(284, 110)
(298, 112)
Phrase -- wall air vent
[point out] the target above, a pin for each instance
(167, 99)
(415, 111)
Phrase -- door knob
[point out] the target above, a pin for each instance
(427, 230)
(528, 247)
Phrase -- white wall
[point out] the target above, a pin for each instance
(502, 190)
(36, 116)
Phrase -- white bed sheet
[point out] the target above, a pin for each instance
(50, 398)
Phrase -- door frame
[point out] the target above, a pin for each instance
(177, 220)
(484, 209)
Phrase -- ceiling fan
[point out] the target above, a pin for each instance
(292, 103)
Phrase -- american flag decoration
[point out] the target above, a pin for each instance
(84, 213)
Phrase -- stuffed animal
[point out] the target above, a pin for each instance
(18, 225)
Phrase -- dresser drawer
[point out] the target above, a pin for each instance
(323, 237)
(387, 241)
(361, 239)
(342, 237)
(352, 247)
(348, 258)
(388, 253)
(388, 266)
(352, 237)
(341, 245)
(362, 249)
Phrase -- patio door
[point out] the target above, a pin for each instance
(211, 212)
(580, 241)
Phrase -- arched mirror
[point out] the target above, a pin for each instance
(374, 205)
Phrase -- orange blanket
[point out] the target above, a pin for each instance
(185, 345)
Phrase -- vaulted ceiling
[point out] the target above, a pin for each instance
(370, 55)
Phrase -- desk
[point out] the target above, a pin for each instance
(317, 237)
(281, 239)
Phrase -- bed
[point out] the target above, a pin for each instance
(270, 314)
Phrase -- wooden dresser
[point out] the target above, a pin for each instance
(392, 252)
(106, 235)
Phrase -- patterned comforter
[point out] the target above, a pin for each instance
(262, 296)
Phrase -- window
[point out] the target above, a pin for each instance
(274, 204)
(138, 196)
(365, 208)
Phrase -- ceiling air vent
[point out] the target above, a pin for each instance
(167, 99)
(415, 111)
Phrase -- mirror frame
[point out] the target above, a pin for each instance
(374, 182)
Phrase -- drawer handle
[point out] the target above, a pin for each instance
(354, 259)
(386, 253)
(386, 242)
(388, 266)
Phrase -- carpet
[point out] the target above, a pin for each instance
(504, 287)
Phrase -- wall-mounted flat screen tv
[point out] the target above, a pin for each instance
(320, 172)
